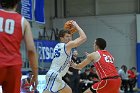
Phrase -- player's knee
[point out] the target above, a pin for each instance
(66, 89)
(70, 90)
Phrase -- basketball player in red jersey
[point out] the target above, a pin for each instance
(110, 81)
(13, 28)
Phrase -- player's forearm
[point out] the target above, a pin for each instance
(81, 33)
(76, 66)
(33, 62)
(82, 64)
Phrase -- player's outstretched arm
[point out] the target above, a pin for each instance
(83, 63)
(33, 61)
(78, 41)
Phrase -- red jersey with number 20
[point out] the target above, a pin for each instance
(11, 27)
(104, 66)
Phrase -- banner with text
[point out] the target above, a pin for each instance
(45, 50)
(26, 9)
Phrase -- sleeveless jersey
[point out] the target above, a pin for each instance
(11, 27)
(104, 66)
(60, 63)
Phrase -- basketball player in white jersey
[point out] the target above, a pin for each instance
(61, 61)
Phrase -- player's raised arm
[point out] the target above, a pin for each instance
(31, 51)
(78, 41)
(83, 63)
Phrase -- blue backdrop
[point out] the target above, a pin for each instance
(138, 63)
(45, 50)
(39, 11)
(26, 9)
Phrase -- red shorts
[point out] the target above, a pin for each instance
(10, 79)
(107, 86)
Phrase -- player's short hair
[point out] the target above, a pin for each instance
(29, 72)
(8, 3)
(63, 32)
(133, 68)
(101, 43)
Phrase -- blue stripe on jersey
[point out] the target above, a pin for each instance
(65, 50)
(53, 82)
(66, 62)
(64, 65)
(52, 78)
(48, 81)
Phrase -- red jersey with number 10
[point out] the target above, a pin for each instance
(10, 38)
(104, 66)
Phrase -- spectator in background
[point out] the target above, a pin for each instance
(74, 73)
(132, 75)
(93, 75)
(92, 69)
(84, 77)
(27, 86)
(124, 76)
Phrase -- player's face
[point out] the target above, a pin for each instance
(29, 75)
(75, 53)
(67, 38)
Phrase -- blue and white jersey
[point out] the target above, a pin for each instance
(58, 69)
(60, 63)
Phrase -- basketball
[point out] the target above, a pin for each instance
(69, 26)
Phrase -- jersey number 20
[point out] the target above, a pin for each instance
(108, 58)
(7, 26)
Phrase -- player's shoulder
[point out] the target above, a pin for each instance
(96, 54)
(93, 55)
(25, 21)
(59, 45)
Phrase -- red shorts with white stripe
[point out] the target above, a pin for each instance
(107, 86)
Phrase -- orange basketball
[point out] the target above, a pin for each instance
(68, 26)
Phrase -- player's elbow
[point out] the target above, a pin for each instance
(31, 50)
(83, 38)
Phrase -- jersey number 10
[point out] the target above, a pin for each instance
(7, 26)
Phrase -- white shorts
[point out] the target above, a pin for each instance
(54, 82)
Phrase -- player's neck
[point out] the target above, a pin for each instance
(13, 10)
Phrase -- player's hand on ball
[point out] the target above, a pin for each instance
(71, 26)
